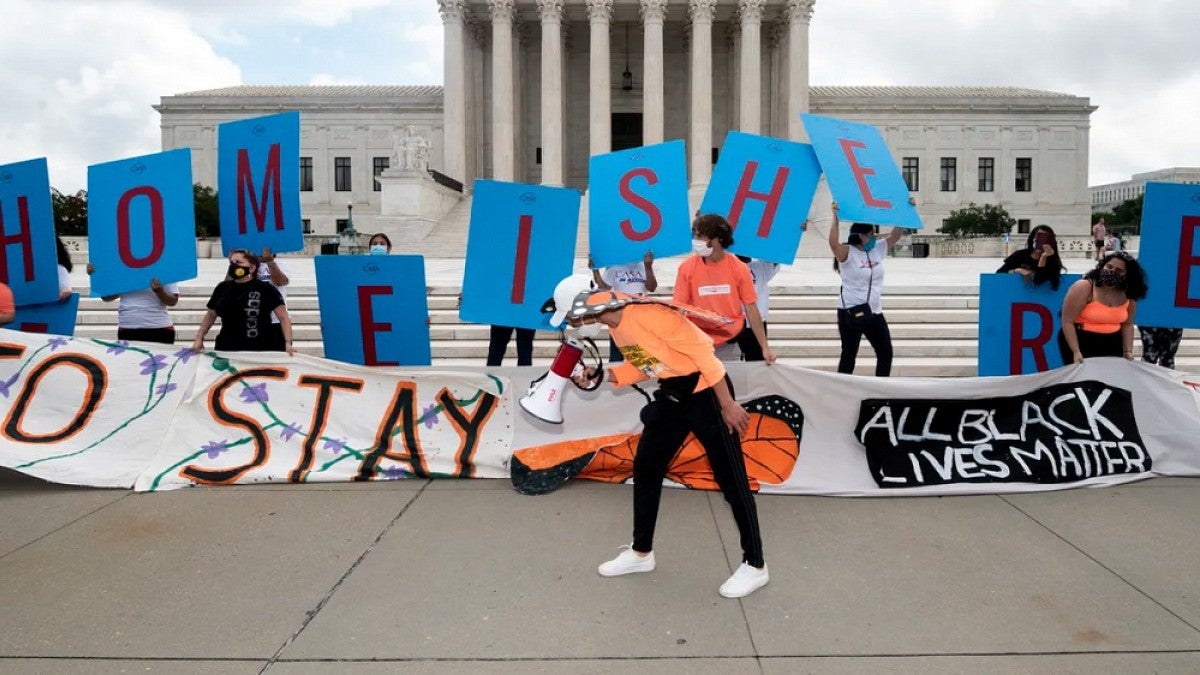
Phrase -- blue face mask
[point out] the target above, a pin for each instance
(869, 244)
(378, 249)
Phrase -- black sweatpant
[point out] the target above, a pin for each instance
(1091, 344)
(164, 336)
(751, 350)
(662, 437)
(875, 329)
(498, 344)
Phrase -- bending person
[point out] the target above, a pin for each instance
(1097, 314)
(694, 395)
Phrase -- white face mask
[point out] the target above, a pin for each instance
(590, 331)
(700, 248)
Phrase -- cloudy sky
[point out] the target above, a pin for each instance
(79, 76)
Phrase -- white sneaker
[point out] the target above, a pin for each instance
(745, 580)
(627, 562)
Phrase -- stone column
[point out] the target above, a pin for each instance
(733, 42)
(700, 140)
(503, 132)
(653, 14)
(750, 77)
(552, 91)
(799, 13)
(454, 145)
(600, 82)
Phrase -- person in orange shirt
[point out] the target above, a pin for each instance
(8, 308)
(694, 396)
(717, 281)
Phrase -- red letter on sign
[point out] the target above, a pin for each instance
(158, 236)
(642, 203)
(366, 319)
(1018, 343)
(521, 264)
(771, 199)
(861, 173)
(21, 238)
(1187, 260)
(270, 190)
(39, 328)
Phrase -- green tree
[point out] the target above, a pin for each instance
(988, 220)
(70, 213)
(208, 217)
(1128, 214)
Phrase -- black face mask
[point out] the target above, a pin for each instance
(1110, 278)
(238, 271)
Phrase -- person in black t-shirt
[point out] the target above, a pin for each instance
(1038, 262)
(245, 304)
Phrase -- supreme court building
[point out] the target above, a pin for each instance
(533, 88)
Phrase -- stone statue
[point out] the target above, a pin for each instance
(410, 152)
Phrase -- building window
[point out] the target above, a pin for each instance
(716, 154)
(378, 166)
(912, 173)
(341, 174)
(1024, 181)
(537, 156)
(987, 174)
(306, 184)
(949, 174)
(342, 224)
(1023, 226)
(306, 225)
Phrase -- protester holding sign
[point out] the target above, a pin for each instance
(142, 315)
(270, 271)
(859, 261)
(631, 279)
(719, 282)
(64, 271)
(243, 301)
(1097, 313)
(695, 397)
(1039, 261)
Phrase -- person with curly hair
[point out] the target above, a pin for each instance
(1097, 313)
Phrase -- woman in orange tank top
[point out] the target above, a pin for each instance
(1097, 314)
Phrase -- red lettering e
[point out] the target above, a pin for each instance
(158, 235)
(1188, 261)
(270, 190)
(648, 207)
(369, 326)
(861, 173)
(1019, 343)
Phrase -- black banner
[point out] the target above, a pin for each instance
(1057, 434)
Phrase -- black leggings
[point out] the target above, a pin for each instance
(852, 330)
(751, 350)
(1160, 344)
(700, 414)
(164, 336)
(498, 344)
(1090, 344)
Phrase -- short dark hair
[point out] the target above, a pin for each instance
(1135, 277)
(714, 226)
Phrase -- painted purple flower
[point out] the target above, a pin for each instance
(289, 431)
(153, 364)
(215, 448)
(164, 389)
(393, 473)
(256, 393)
(334, 444)
(429, 416)
(185, 354)
(56, 342)
(5, 384)
(118, 348)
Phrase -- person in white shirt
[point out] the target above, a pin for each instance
(272, 272)
(636, 278)
(142, 315)
(64, 271)
(859, 261)
(763, 272)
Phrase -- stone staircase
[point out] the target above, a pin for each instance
(934, 331)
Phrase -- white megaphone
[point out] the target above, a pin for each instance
(545, 395)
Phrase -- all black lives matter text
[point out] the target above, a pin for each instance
(1057, 434)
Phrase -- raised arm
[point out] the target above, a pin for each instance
(651, 280)
(840, 251)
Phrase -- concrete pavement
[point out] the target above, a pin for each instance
(468, 576)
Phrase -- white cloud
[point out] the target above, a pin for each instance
(90, 74)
